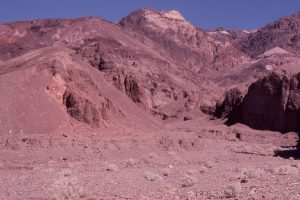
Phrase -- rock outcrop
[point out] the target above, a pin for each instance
(227, 108)
(264, 105)
(132, 89)
(271, 103)
(81, 109)
(292, 113)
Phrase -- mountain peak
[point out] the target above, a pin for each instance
(173, 14)
(150, 13)
(164, 19)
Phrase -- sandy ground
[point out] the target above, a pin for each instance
(206, 164)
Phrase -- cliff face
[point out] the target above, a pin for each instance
(292, 113)
(264, 105)
(271, 103)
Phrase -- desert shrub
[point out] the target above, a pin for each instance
(284, 170)
(251, 173)
(188, 181)
(232, 191)
(203, 169)
(131, 162)
(67, 187)
(209, 164)
(111, 167)
(150, 176)
(166, 172)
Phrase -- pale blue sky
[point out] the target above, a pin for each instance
(208, 14)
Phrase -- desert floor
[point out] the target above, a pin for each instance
(214, 162)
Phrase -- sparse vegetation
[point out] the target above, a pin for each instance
(150, 176)
(191, 172)
(232, 191)
(131, 162)
(203, 169)
(166, 172)
(209, 164)
(67, 187)
(112, 167)
(284, 170)
(129, 109)
(152, 155)
(295, 197)
(251, 173)
(188, 181)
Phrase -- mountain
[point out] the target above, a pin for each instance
(150, 107)
(50, 85)
(179, 40)
(283, 33)
(271, 102)
(149, 68)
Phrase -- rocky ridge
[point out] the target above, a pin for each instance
(157, 64)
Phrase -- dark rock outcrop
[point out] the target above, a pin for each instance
(292, 113)
(132, 89)
(264, 105)
(228, 107)
(81, 109)
(272, 103)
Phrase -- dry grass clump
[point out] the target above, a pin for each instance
(203, 169)
(209, 164)
(295, 197)
(166, 172)
(296, 165)
(67, 187)
(152, 155)
(232, 191)
(131, 162)
(191, 172)
(188, 181)
(284, 170)
(251, 173)
(111, 167)
(150, 176)
(174, 156)
(172, 153)
(206, 166)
